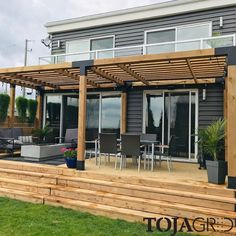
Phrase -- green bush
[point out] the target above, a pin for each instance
(21, 107)
(32, 109)
(4, 104)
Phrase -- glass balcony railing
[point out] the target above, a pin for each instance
(186, 45)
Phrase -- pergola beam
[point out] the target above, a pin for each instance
(106, 75)
(132, 73)
(191, 70)
(77, 77)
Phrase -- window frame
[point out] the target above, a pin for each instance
(176, 28)
(89, 42)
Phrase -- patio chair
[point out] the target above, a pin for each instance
(130, 146)
(170, 150)
(147, 148)
(108, 146)
(70, 139)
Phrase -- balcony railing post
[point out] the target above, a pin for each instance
(144, 50)
(201, 43)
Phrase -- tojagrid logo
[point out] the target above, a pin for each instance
(199, 224)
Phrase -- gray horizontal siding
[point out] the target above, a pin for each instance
(135, 111)
(132, 33)
(212, 108)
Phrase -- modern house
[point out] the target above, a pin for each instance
(157, 69)
(165, 108)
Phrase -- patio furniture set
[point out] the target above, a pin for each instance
(137, 146)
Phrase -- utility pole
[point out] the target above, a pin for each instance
(26, 58)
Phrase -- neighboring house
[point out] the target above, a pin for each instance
(165, 110)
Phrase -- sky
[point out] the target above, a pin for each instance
(25, 19)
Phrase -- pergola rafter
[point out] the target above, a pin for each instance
(30, 79)
(133, 73)
(104, 74)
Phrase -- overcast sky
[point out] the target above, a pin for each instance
(25, 19)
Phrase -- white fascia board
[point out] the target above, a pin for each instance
(138, 13)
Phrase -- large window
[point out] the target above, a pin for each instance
(111, 107)
(83, 46)
(103, 113)
(168, 40)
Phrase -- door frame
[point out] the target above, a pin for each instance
(163, 92)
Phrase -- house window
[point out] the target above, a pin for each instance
(171, 39)
(87, 47)
(162, 37)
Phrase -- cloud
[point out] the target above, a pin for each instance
(25, 19)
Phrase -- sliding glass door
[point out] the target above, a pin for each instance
(173, 114)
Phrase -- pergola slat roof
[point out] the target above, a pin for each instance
(190, 67)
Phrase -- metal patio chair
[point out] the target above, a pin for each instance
(130, 147)
(107, 146)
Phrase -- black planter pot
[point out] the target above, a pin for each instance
(71, 162)
(216, 171)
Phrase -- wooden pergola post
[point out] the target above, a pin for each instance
(12, 104)
(82, 121)
(39, 109)
(123, 112)
(230, 113)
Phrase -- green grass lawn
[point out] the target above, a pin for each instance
(22, 219)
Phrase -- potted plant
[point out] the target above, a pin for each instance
(211, 141)
(70, 155)
(43, 133)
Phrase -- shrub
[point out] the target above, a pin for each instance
(32, 109)
(21, 106)
(4, 104)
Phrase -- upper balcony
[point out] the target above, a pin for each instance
(185, 45)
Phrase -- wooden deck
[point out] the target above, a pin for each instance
(124, 194)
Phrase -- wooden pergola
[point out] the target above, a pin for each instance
(189, 67)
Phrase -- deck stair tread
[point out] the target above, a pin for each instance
(198, 187)
(77, 181)
(68, 192)
(94, 208)
(163, 204)
(125, 197)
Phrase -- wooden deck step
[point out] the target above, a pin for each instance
(119, 213)
(135, 203)
(21, 195)
(195, 199)
(25, 186)
(203, 188)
